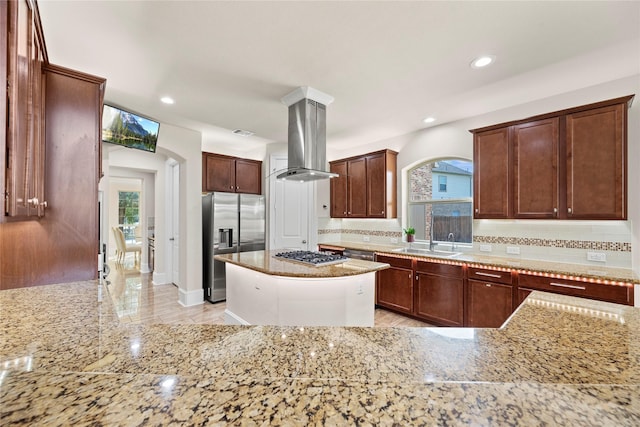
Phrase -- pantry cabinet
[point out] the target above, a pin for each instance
(366, 186)
(570, 164)
(231, 174)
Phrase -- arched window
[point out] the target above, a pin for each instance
(440, 200)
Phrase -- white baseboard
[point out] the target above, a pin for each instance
(231, 318)
(144, 268)
(159, 278)
(189, 298)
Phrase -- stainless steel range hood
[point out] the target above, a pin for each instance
(307, 144)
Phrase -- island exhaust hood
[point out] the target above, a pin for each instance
(307, 143)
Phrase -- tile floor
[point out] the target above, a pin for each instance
(137, 300)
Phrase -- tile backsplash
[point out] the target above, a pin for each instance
(564, 241)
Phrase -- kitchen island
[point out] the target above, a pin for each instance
(558, 361)
(263, 289)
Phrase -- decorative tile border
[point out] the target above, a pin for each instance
(555, 243)
(516, 241)
(377, 233)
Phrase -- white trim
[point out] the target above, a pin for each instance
(307, 92)
(636, 291)
(190, 298)
(159, 278)
(230, 318)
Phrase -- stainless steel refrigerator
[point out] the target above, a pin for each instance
(230, 223)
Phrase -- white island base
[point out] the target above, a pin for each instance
(255, 298)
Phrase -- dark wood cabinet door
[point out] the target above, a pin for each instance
(248, 176)
(357, 188)
(491, 174)
(535, 169)
(489, 304)
(376, 186)
(219, 173)
(596, 163)
(394, 289)
(339, 190)
(440, 299)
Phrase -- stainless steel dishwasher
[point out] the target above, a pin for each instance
(357, 254)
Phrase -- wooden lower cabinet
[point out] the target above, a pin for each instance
(440, 299)
(394, 286)
(489, 305)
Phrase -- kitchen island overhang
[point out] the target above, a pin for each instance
(265, 290)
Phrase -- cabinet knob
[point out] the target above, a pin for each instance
(488, 285)
(231, 187)
(476, 210)
(569, 210)
(344, 213)
(34, 202)
(349, 213)
(382, 212)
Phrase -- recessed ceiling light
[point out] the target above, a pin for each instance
(242, 132)
(429, 120)
(482, 61)
(167, 100)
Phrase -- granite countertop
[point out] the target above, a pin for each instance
(266, 262)
(597, 273)
(66, 360)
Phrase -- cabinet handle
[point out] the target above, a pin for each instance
(569, 210)
(33, 202)
(409, 275)
(488, 285)
(496, 276)
(349, 213)
(564, 285)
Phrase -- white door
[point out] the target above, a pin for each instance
(290, 206)
(174, 232)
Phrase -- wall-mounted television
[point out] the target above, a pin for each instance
(128, 129)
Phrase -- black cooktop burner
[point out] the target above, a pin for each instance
(312, 258)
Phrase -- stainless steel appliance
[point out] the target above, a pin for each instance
(230, 223)
(316, 259)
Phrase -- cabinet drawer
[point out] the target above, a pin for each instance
(487, 275)
(611, 293)
(439, 269)
(395, 262)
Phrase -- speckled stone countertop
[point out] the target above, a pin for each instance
(612, 274)
(266, 262)
(66, 360)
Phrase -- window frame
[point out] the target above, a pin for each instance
(435, 202)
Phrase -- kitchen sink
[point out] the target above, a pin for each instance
(428, 252)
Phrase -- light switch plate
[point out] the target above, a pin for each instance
(513, 250)
(485, 248)
(366, 238)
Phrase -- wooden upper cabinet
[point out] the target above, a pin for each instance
(248, 176)
(491, 189)
(231, 174)
(357, 188)
(24, 140)
(570, 164)
(535, 169)
(366, 187)
(339, 190)
(596, 163)
(381, 185)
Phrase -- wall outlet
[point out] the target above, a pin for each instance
(485, 248)
(394, 240)
(597, 256)
(513, 250)
(366, 238)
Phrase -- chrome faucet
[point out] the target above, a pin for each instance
(451, 238)
(431, 244)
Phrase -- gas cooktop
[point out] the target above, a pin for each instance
(316, 259)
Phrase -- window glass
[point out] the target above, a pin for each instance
(128, 213)
(440, 200)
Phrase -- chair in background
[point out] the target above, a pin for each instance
(122, 247)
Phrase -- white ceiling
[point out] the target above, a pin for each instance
(388, 64)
